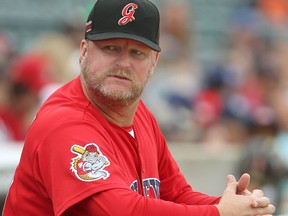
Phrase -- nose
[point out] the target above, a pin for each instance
(123, 59)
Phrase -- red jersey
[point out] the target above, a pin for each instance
(75, 162)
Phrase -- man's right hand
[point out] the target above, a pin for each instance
(233, 204)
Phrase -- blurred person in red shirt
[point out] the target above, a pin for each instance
(26, 75)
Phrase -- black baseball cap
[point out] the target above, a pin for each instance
(132, 19)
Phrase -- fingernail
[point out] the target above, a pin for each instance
(230, 178)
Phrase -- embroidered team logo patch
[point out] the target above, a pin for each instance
(89, 164)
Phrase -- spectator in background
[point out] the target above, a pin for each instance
(62, 47)
(27, 75)
(237, 86)
(6, 48)
(208, 106)
(259, 37)
(6, 54)
(267, 170)
(176, 31)
(177, 75)
(279, 102)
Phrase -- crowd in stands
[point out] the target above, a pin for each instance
(240, 100)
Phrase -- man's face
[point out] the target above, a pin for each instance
(116, 70)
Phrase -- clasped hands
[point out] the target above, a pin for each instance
(237, 200)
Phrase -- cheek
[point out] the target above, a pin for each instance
(95, 65)
(144, 70)
(142, 74)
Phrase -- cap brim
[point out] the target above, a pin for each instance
(113, 35)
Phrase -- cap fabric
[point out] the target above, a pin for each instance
(132, 19)
(91, 148)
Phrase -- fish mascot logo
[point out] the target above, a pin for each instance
(89, 163)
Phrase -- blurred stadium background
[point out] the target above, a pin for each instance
(220, 92)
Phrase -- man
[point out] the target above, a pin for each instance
(95, 149)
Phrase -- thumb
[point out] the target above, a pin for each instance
(231, 184)
(243, 183)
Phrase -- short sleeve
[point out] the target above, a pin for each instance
(74, 161)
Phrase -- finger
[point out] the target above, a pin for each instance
(231, 184)
(258, 193)
(270, 209)
(261, 202)
(246, 192)
(265, 215)
(243, 183)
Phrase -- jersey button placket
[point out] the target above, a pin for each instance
(142, 168)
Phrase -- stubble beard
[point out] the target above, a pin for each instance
(115, 97)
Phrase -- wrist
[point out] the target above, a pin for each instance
(221, 210)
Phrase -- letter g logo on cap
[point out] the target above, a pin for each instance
(128, 14)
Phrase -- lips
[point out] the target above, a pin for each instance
(119, 76)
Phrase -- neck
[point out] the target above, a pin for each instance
(119, 115)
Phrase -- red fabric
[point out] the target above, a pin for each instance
(13, 124)
(127, 203)
(208, 106)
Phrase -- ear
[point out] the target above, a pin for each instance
(83, 49)
(155, 60)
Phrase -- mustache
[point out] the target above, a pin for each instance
(120, 72)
